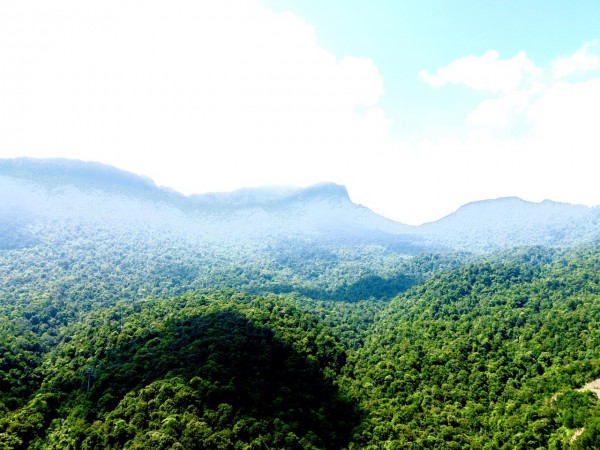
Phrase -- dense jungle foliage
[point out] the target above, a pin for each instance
(95, 266)
(485, 354)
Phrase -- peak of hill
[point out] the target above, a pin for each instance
(512, 209)
(95, 193)
(272, 195)
(59, 171)
(65, 189)
(510, 221)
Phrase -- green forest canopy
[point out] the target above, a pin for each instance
(487, 354)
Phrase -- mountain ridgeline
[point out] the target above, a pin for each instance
(133, 317)
(60, 189)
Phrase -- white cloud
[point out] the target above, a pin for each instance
(517, 84)
(485, 73)
(568, 112)
(197, 95)
(580, 61)
(555, 154)
(218, 95)
(494, 113)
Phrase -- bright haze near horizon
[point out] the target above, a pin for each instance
(417, 107)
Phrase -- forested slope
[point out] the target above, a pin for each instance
(134, 317)
(219, 370)
(487, 356)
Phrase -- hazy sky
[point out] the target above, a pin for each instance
(416, 106)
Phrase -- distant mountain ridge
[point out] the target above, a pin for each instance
(106, 177)
(272, 194)
(80, 173)
(61, 187)
(510, 221)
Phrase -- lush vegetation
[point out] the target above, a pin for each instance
(483, 354)
(133, 318)
(218, 370)
(487, 356)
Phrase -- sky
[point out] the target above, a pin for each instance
(416, 107)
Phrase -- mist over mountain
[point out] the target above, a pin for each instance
(59, 171)
(149, 239)
(290, 239)
(132, 316)
(60, 189)
(94, 192)
(261, 196)
(489, 225)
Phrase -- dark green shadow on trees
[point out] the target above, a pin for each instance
(213, 380)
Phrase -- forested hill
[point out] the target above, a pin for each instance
(94, 234)
(94, 194)
(487, 356)
(490, 225)
(105, 196)
(133, 317)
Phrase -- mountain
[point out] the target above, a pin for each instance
(132, 316)
(488, 355)
(144, 239)
(56, 214)
(507, 222)
(86, 175)
(60, 189)
(65, 190)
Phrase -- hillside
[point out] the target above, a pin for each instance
(490, 225)
(73, 222)
(106, 196)
(246, 371)
(486, 356)
(32, 191)
(134, 317)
